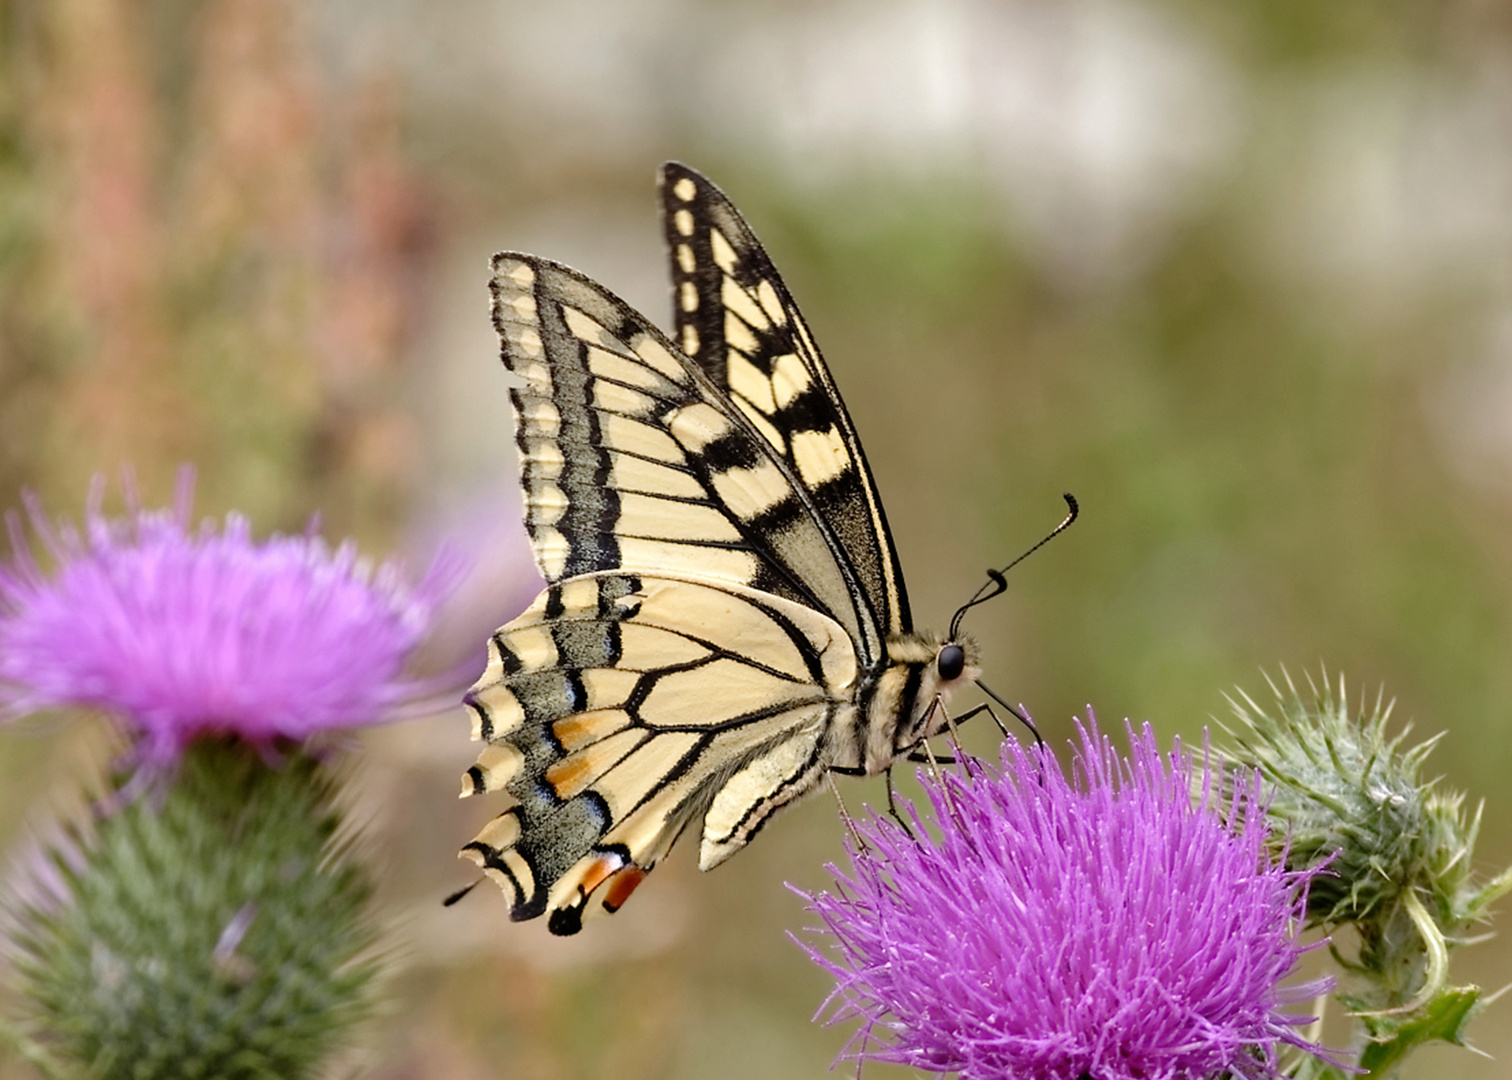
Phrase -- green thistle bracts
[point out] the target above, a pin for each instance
(1398, 852)
(215, 926)
(1347, 792)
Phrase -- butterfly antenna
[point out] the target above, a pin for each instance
(997, 581)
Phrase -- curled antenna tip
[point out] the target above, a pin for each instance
(1073, 510)
(996, 582)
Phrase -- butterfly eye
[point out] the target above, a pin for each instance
(951, 662)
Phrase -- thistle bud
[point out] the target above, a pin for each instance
(1396, 852)
(214, 925)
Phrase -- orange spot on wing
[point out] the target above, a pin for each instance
(569, 775)
(578, 730)
(621, 885)
(601, 869)
(573, 732)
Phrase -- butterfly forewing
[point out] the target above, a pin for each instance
(734, 316)
(631, 459)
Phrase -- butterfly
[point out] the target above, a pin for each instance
(725, 619)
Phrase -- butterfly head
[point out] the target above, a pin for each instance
(930, 668)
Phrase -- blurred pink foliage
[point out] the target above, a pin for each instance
(230, 250)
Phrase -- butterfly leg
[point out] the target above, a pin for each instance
(969, 713)
(919, 757)
(934, 773)
(929, 758)
(850, 822)
(1017, 715)
(892, 804)
(950, 724)
(892, 808)
(966, 760)
(950, 803)
(1001, 726)
(1039, 742)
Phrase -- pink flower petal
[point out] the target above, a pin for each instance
(1107, 925)
(179, 631)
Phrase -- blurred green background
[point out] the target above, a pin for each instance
(1236, 272)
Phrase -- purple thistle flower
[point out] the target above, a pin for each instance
(1105, 927)
(179, 632)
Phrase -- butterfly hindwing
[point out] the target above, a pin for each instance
(619, 708)
(735, 317)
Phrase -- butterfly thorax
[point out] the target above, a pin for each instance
(903, 702)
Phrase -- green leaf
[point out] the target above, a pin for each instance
(1444, 1018)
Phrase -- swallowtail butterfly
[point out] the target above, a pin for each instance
(725, 619)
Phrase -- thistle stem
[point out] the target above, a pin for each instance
(1437, 975)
